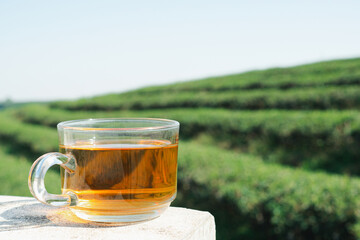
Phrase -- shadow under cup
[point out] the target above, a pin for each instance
(113, 170)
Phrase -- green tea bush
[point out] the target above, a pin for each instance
(325, 140)
(15, 172)
(329, 73)
(230, 161)
(30, 138)
(280, 202)
(344, 97)
(283, 202)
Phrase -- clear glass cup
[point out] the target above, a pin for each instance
(112, 170)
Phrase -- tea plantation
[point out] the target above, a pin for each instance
(272, 154)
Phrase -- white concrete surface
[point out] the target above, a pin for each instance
(26, 218)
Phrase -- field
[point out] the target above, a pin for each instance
(272, 154)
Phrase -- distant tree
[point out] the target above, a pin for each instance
(7, 103)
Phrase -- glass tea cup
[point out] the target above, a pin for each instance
(118, 170)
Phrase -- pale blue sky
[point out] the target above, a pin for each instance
(69, 49)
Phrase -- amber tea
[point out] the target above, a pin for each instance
(121, 177)
(113, 170)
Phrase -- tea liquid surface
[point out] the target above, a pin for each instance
(121, 176)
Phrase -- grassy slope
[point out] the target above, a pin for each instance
(309, 86)
(342, 97)
(18, 149)
(254, 191)
(250, 199)
(14, 175)
(278, 201)
(325, 140)
(336, 72)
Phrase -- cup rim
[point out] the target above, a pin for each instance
(171, 124)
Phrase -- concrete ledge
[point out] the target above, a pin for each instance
(26, 218)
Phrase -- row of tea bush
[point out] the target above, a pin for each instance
(248, 197)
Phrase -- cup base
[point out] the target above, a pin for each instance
(109, 218)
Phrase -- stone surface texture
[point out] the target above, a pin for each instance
(26, 218)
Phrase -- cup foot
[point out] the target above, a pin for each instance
(121, 218)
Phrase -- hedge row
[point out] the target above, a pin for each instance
(282, 202)
(278, 202)
(344, 97)
(31, 138)
(284, 123)
(15, 172)
(331, 73)
(326, 140)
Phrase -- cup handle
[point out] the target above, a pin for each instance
(37, 175)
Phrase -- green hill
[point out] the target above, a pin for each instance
(272, 154)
